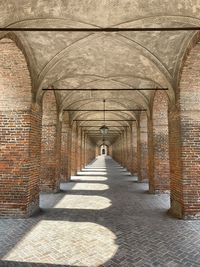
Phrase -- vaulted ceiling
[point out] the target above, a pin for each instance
(101, 60)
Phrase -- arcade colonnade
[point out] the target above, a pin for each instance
(41, 146)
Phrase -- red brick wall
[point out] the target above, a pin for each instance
(160, 181)
(20, 135)
(51, 142)
(185, 141)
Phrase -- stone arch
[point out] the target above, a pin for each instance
(51, 144)
(20, 134)
(184, 128)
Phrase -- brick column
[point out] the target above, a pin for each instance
(20, 135)
(74, 149)
(118, 151)
(110, 150)
(143, 148)
(65, 151)
(97, 151)
(83, 151)
(160, 182)
(78, 150)
(90, 151)
(51, 145)
(134, 148)
(81, 148)
(129, 150)
(151, 155)
(139, 153)
(124, 149)
(69, 145)
(184, 141)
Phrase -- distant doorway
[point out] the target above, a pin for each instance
(104, 150)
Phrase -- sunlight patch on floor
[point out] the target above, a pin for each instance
(92, 173)
(88, 178)
(64, 242)
(83, 202)
(94, 170)
(84, 186)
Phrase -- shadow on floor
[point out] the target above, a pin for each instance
(144, 234)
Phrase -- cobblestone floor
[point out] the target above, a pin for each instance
(103, 217)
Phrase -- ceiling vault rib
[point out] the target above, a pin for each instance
(114, 29)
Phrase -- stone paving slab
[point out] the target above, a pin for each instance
(113, 223)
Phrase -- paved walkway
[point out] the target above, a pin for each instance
(102, 218)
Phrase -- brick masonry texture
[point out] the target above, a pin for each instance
(184, 130)
(47, 136)
(65, 150)
(50, 151)
(134, 147)
(129, 149)
(143, 148)
(117, 152)
(160, 181)
(74, 155)
(20, 134)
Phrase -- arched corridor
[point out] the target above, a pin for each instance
(99, 133)
(103, 217)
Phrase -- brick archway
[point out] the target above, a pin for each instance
(20, 134)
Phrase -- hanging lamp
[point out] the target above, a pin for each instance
(104, 129)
